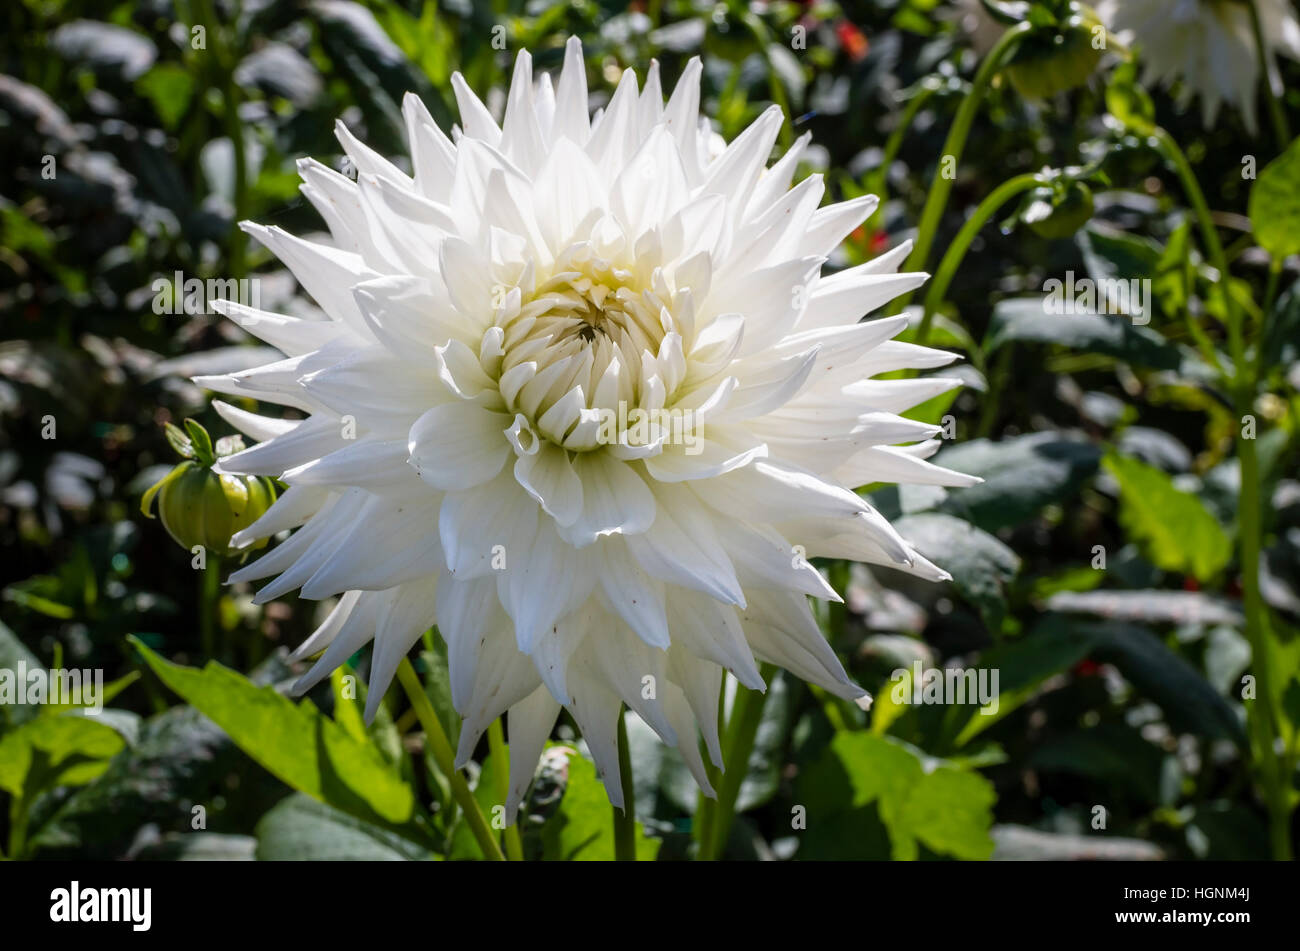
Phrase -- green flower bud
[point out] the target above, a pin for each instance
(202, 507)
(1054, 59)
(1058, 212)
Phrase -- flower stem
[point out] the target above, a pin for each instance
(738, 744)
(955, 143)
(443, 756)
(18, 826)
(957, 250)
(1272, 82)
(1243, 383)
(625, 818)
(1167, 147)
(1260, 710)
(209, 597)
(501, 757)
(707, 806)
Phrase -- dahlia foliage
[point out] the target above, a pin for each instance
(579, 394)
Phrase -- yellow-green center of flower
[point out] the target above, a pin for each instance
(584, 354)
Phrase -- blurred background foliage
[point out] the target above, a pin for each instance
(1121, 675)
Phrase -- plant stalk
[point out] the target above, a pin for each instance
(955, 144)
(957, 250)
(501, 757)
(209, 598)
(625, 818)
(446, 760)
(1250, 511)
(742, 728)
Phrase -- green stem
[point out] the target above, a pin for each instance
(446, 760)
(954, 144)
(17, 826)
(625, 818)
(742, 728)
(1209, 234)
(1272, 82)
(1244, 383)
(957, 250)
(707, 806)
(838, 611)
(501, 757)
(1270, 299)
(209, 598)
(997, 379)
(895, 141)
(1261, 709)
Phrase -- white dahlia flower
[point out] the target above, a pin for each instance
(579, 395)
(1207, 44)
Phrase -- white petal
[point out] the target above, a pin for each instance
(458, 445)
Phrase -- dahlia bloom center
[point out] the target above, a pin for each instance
(589, 356)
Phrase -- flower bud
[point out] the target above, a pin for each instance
(1054, 59)
(202, 507)
(1058, 212)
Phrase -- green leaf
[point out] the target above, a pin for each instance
(1175, 531)
(1281, 347)
(105, 696)
(1114, 754)
(349, 713)
(581, 828)
(12, 653)
(170, 88)
(374, 67)
(980, 565)
(1275, 204)
(1190, 702)
(1222, 831)
(1128, 101)
(302, 829)
(946, 808)
(296, 742)
(201, 442)
(1021, 476)
(179, 758)
(1028, 320)
(1022, 666)
(1174, 273)
(62, 750)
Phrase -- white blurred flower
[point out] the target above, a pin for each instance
(1207, 44)
(601, 406)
